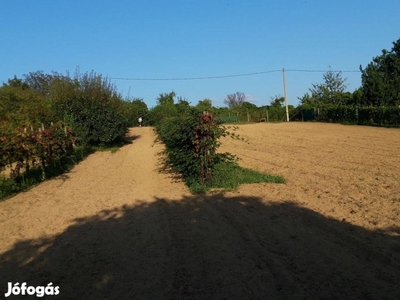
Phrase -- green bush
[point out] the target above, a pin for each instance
(133, 109)
(191, 142)
(93, 122)
(91, 105)
(160, 113)
(21, 105)
(177, 133)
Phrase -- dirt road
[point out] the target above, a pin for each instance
(116, 228)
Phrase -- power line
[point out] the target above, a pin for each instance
(224, 76)
(322, 71)
(197, 78)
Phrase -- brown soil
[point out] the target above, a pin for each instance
(116, 228)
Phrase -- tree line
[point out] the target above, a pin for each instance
(45, 118)
(380, 85)
(375, 102)
(90, 104)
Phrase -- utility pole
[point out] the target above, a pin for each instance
(284, 90)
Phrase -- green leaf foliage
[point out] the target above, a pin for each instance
(93, 122)
(22, 105)
(135, 108)
(365, 115)
(381, 79)
(330, 93)
(90, 104)
(191, 141)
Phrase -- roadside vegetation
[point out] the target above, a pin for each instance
(192, 139)
(376, 102)
(49, 122)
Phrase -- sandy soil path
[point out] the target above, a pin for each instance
(116, 228)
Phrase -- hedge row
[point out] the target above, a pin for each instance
(23, 149)
(381, 116)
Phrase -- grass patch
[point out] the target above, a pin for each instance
(111, 149)
(8, 187)
(229, 175)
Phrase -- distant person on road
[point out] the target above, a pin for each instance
(140, 121)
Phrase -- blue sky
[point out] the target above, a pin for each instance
(164, 39)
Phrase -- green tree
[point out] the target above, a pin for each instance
(204, 105)
(248, 106)
(358, 97)
(21, 105)
(276, 109)
(17, 83)
(183, 106)
(329, 93)
(91, 105)
(164, 109)
(40, 82)
(135, 108)
(277, 101)
(381, 78)
(166, 98)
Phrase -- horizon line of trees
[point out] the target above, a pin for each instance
(97, 113)
(380, 85)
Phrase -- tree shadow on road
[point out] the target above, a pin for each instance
(129, 139)
(209, 247)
